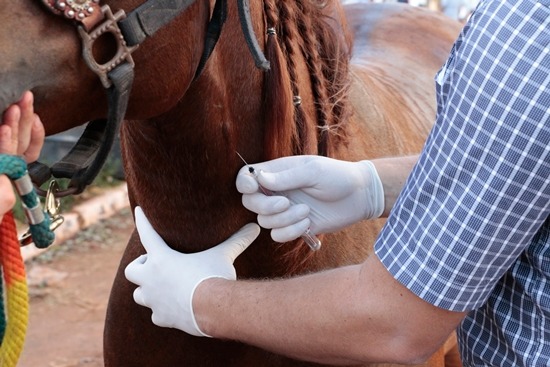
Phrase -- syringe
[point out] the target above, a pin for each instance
(312, 241)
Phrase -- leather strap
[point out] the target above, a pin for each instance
(149, 17)
(219, 15)
(246, 24)
(86, 158)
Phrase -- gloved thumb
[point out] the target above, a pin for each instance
(238, 242)
(289, 179)
(150, 239)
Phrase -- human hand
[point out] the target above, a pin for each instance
(167, 279)
(315, 192)
(21, 133)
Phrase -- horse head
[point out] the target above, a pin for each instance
(43, 52)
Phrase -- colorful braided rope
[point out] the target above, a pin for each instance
(16, 314)
(14, 310)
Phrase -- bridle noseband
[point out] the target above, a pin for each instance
(84, 161)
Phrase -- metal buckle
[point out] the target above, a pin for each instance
(123, 52)
(52, 208)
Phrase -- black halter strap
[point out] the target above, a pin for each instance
(153, 15)
(84, 161)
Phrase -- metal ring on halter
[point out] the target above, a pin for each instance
(59, 194)
(271, 31)
(297, 100)
(52, 203)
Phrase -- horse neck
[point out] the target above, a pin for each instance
(182, 165)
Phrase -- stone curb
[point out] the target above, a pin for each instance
(83, 215)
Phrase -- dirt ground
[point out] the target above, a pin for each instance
(69, 287)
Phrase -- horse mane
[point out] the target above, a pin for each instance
(295, 30)
(302, 30)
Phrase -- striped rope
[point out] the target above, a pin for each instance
(14, 310)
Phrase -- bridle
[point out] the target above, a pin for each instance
(84, 161)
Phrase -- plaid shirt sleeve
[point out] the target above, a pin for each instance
(481, 188)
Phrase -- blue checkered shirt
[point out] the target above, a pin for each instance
(471, 229)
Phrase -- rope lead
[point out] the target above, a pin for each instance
(14, 308)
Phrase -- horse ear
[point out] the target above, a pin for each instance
(279, 128)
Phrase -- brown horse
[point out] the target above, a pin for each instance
(182, 134)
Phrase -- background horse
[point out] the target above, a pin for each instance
(182, 134)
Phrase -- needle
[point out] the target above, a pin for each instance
(312, 241)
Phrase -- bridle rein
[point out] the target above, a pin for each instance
(84, 161)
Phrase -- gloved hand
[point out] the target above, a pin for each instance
(167, 279)
(315, 192)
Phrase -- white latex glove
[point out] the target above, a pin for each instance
(167, 279)
(315, 192)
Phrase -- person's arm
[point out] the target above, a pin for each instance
(350, 315)
(356, 314)
(21, 133)
(393, 173)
